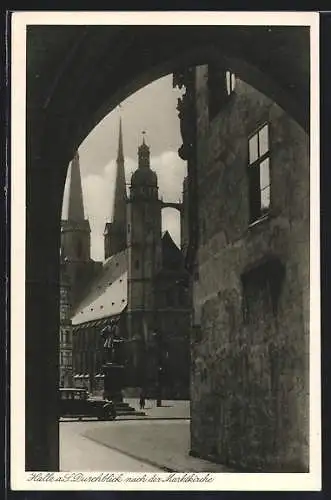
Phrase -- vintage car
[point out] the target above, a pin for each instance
(77, 403)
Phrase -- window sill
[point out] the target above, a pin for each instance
(259, 220)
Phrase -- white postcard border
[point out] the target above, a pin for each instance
(21, 480)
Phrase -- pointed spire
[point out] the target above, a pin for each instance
(115, 231)
(120, 155)
(143, 153)
(119, 208)
(75, 206)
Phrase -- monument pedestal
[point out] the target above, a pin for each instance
(115, 371)
(114, 381)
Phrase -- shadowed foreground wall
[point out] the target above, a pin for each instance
(250, 343)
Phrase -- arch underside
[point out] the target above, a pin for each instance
(75, 76)
(98, 67)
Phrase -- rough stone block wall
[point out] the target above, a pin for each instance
(249, 380)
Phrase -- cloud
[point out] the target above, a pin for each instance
(98, 192)
(171, 171)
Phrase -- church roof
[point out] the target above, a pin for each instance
(172, 257)
(107, 295)
(144, 177)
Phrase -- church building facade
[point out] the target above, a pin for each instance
(141, 290)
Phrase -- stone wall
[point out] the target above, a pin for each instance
(249, 380)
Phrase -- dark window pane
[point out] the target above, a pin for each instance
(254, 193)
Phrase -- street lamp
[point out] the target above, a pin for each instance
(159, 375)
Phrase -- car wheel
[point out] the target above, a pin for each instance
(109, 413)
(111, 416)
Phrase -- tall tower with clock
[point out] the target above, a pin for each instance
(144, 246)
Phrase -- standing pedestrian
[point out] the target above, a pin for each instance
(142, 399)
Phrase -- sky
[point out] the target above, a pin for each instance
(152, 109)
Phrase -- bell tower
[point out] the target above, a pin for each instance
(144, 245)
(76, 236)
(115, 231)
(75, 233)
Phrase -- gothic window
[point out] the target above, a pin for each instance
(136, 264)
(129, 228)
(66, 336)
(67, 360)
(230, 82)
(259, 173)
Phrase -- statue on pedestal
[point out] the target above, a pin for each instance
(115, 360)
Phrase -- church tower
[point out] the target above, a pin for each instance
(75, 237)
(115, 231)
(144, 245)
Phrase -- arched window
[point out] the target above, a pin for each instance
(230, 82)
(136, 264)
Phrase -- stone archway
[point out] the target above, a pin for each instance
(75, 76)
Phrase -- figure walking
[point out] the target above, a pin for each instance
(142, 400)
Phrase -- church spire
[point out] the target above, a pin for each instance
(143, 154)
(75, 206)
(119, 209)
(120, 155)
(115, 231)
